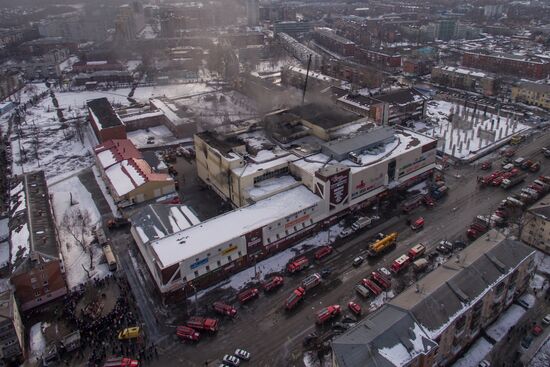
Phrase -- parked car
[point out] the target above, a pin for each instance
(536, 330)
(484, 363)
(355, 308)
(445, 247)
(526, 341)
(231, 360)
(242, 354)
(546, 320)
(358, 260)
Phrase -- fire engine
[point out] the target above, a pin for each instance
(400, 263)
(297, 265)
(187, 333)
(295, 297)
(224, 309)
(417, 251)
(322, 252)
(273, 283)
(327, 313)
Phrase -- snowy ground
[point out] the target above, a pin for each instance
(470, 133)
(475, 354)
(311, 360)
(74, 256)
(103, 187)
(42, 142)
(500, 328)
(37, 340)
(275, 263)
(542, 358)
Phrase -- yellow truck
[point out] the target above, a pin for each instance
(382, 246)
(129, 333)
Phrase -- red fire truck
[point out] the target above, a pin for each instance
(416, 251)
(297, 265)
(224, 309)
(372, 286)
(400, 263)
(327, 313)
(322, 252)
(273, 283)
(203, 323)
(248, 295)
(121, 362)
(381, 279)
(187, 333)
(295, 297)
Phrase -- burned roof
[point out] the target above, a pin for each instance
(324, 115)
(104, 112)
(339, 149)
(224, 144)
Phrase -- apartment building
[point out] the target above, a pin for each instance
(522, 66)
(465, 78)
(37, 273)
(299, 50)
(534, 94)
(12, 331)
(535, 229)
(434, 321)
(328, 39)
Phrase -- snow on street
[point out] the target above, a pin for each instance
(76, 259)
(37, 340)
(475, 354)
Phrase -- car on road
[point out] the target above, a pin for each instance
(546, 320)
(526, 341)
(129, 333)
(346, 232)
(231, 360)
(484, 363)
(523, 304)
(445, 247)
(358, 261)
(536, 330)
(385, 272)
(242, 354)
(362, 290)
(355, 308)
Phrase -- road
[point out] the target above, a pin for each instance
(274, 337)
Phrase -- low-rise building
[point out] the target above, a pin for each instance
(37, 271)
(296, 77)
(12, 331)
(465, 78)
(299, 50)
(327, 38)
(522, 66)
(105, 122)
(535, 94)
(178, 120)
(535, 229)
(97, 65)
(129, 178)
(444, 312)
(389, 108)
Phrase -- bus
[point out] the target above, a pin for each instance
(109, 256)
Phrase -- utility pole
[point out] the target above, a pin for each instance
(307, 76)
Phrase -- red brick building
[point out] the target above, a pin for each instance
(531, 67)
(37, 274)
(105, 121)
(379, 59)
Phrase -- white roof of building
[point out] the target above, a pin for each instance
(209, 234)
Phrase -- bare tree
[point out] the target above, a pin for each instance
(77, 223)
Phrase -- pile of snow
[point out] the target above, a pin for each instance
(37, 340)
(500, 328)
(74, 256)
(475, 354)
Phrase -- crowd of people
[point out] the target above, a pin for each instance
(99, 333)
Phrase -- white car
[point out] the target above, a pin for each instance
(346, 232)
(231, 360)
(358, 260)
(484, 363)
(546, 320)
(242, 354)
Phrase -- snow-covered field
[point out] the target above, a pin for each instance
(500, 328)
(464, 133)
(76, 258)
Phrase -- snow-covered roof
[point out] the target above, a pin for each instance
(450, 290)
(271, 186)
(211, 233)
(157, 221)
